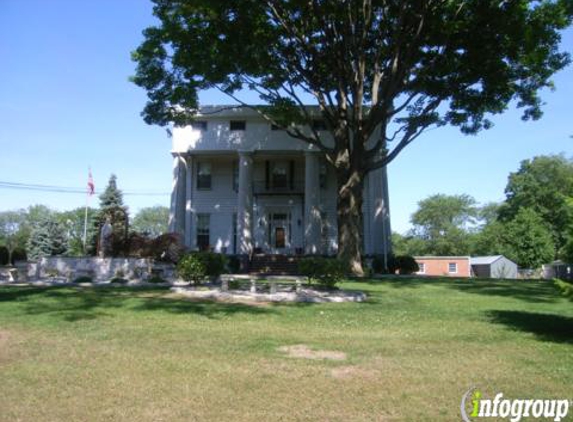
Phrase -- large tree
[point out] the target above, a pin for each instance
(543, 184)
(381, 72)
(11, 234)
(151, 221)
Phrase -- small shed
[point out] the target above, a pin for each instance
(497, 266)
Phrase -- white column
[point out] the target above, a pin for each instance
(245, 204)
(177, 209)
(188, 202)
(311, 202)
(380, 231)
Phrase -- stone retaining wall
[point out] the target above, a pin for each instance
(96, 268)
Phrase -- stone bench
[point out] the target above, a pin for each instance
(273, 281)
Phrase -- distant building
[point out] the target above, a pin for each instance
(497, 266)
(558, 269)
(449, 266)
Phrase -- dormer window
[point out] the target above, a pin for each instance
(199, 125)
(237, 125)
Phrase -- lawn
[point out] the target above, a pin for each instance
(408, 354)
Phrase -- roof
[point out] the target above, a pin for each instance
(484, 260)
(441, 257)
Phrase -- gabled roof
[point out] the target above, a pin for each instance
(484, 260)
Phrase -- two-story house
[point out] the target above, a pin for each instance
(241, 185)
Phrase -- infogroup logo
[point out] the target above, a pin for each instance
(474, 406)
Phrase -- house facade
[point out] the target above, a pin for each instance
(242, 186)
(444, 266)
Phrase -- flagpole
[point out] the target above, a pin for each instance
(90, 191)
(86, 223)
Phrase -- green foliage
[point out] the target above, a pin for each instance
(47, 238)
(156, 279)
(233, 264)
(151, 221)
(325, 271)
(196, 266)
(112, 208)
(83, 279)
(12, 233)
(527, 240)
(192, 268)
(545, 186)
(74, 222)
(442, 222)
(403, 264)
(119, 280)
(566, 288)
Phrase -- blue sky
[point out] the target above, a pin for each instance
(66, 104)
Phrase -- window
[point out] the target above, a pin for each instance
(318, 125)
(422, 267)
(279, 175)
(236, 176)
(200, 125)
(237, 125)
(452, 267)
(323, 175)
(203, 175)
(203, 223)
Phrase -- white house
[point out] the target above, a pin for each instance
(241, 185)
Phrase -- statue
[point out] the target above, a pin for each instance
(105, 239)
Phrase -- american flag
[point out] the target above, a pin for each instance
(91, 186)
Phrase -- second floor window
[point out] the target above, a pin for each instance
(200, 125)
(203, 175)
(279, 175)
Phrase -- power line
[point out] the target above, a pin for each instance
(67, 189)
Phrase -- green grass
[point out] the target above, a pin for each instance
(413, 350)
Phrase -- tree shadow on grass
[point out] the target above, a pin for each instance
(546, 327)
(207, 308)
(533, 291)
(87, 303)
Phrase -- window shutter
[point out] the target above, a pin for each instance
(267, 174)
(291, 174)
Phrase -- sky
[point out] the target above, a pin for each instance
(66, 105)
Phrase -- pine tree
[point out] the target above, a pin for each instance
(48, 238)
(112, 207)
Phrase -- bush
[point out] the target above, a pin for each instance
(156, 279)
(83, 279)
(192, 268)
(118, 280)
(378, 264)
(565, 287)
(3, 255)
(233, 264)
(403, 264)
(167, 247)
(325, 271)
(198, 265)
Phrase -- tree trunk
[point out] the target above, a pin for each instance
(349, 214)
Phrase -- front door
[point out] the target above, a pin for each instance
(279, 232)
